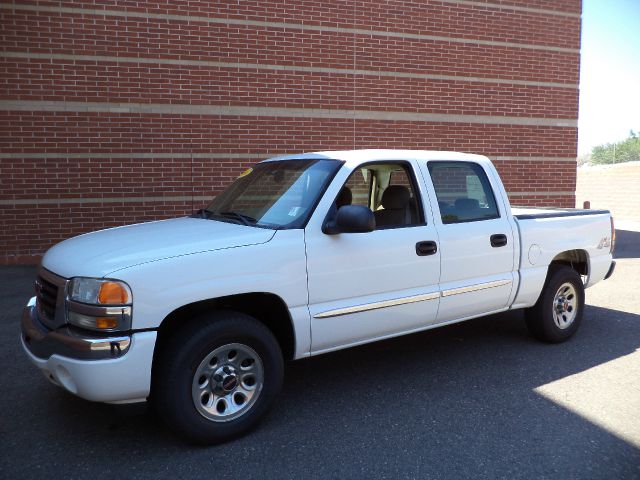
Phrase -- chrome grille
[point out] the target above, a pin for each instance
(47, 296)
(50, 291)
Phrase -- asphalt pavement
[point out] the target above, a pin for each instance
(480, 399)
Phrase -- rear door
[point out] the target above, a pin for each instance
(364, 286)
(476, 240)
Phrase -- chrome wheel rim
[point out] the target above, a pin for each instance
(227, 382)
(565, 306)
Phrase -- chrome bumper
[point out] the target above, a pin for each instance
(68, 341)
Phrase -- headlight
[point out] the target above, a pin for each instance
(99, 291)
(99, 304)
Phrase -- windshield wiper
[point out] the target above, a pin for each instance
(245, 219)
(201, 213)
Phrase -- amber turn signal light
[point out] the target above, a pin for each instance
(112, 293)
(106, 322)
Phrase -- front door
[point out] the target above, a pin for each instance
(364, 286)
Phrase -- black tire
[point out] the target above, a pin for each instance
(540, 318)
(182, 356)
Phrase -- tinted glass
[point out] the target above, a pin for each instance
(464, 192)
(278, 194)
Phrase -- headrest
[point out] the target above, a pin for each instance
(395, 197)
(467, 203)
(344, 197)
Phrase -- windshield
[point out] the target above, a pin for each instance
(278, 194)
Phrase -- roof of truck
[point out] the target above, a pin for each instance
(356, 157)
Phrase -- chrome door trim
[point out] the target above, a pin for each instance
(475, 288)
(412, 299)
(376, 305)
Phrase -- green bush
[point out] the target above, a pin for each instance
(625, 151)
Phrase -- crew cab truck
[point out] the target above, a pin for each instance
(301, 255)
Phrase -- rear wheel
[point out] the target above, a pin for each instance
(557, 314)
(217, 377)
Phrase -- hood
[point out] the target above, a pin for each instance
(100, 253)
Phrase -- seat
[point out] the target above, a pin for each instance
(466, 209)
(396, 202)
(344, 197)
(467, 203)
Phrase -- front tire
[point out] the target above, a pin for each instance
(217, 377)
(557, 314)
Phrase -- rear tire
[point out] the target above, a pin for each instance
(557, 314)
(217, 377)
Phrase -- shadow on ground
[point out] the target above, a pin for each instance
(449, 403)
(627, 244)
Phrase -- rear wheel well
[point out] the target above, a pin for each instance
(577, 260)
(267, 308)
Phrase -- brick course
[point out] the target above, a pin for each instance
(65, 172)
(139, 83)
(44, 32)
(434, 17)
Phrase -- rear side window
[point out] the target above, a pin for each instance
(463, 191)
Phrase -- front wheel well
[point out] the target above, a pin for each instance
(267, 308)
(577, 260)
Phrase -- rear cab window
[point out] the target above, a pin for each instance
(463, 192)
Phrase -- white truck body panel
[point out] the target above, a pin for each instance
(98, 254)
(119, 380)
(277, 267)
(542, 239)
(357, 270)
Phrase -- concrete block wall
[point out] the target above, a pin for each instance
(612, 187)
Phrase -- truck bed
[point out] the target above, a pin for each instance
(546, 232)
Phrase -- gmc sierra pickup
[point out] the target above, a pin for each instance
(301, 255)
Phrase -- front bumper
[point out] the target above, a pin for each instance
(69, 341)
(99, 368)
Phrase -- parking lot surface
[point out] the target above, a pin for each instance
(479, 399)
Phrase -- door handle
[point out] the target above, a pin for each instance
(426, 248)
(498, 240)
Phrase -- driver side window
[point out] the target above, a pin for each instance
(357, 188)
(386, 189)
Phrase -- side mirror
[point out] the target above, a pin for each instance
(351, 219)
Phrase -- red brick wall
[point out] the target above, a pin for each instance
(113, 112)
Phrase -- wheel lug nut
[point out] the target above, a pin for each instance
(226, 370)
(217, 378)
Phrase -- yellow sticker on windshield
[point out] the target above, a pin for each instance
(245, 173)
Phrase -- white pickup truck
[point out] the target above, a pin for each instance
(301, 255)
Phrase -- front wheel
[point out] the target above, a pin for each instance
(557, 314)
(217, 377)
